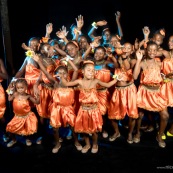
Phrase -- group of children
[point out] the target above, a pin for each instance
(86, 81)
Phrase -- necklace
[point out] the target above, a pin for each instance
(100, 62)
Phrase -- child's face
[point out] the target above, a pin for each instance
(62, 73)
(34, 44)
(89, 71)
(170, 43)
(72, 50)
(83, 43)
(158, 39)
(152, 51)
(21, 88)
(99, 54)
(127, 49)
(106, 35)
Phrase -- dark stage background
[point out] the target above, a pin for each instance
(29, 18)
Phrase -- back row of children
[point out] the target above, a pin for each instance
(82, 84)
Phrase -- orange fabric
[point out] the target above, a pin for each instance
(103, 95)
(167, 88)
(2, 101)
(151, 76)
(167, 65)
(45, 102)
(147, 98)
(50, 69)
(123, 102)
(104, 98)
(24, 121)
(31, 75)
(88, 120)
(126, 76)
(62, 111)
(104, 75)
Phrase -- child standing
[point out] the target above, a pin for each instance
(24, 121)
(62, 111)
(89, 117)
(149, 96)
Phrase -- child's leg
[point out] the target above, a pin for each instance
(13, 140)
(163, 124)
(87, 144)
(136, 138)
(131, 128)
(76, 141)
(95, 143)
(116, 134)
(57, 142)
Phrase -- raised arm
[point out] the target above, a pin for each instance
(95, 25)
(137, 67)
(120, 31)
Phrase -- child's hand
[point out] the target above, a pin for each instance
(80, 21)
(139, 54)
(49, 29)
(25, 47)
(101, 23)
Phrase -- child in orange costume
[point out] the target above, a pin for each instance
(89, 118)
(149, 94)
(24, 121)
(62, 112)
(123, 101)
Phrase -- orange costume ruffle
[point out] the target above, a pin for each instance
(62, 111)
(31, 75)
(89, 118)
(167, 86)
(2, 101)
(103, 93)
(45, 94)
(123, 101)
(24, 121)
(147, 97)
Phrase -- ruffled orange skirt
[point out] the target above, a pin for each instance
(123, 102)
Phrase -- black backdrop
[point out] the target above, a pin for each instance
(28, 18)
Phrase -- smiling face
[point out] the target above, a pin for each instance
(89, 71)
(99, 53)
(152, 49)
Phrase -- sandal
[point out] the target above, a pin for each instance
(169, 134)
(11, 143)
(39, 141)
(78, 147)
(56, 149)
(113, 137)
(163, 136)
(105, 134)
(85, 148)
(28, 142)
(149, 129)
(162, 144)
(94, 150)
(129, 141)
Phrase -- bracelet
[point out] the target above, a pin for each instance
(14, 79)
(68, 57)
(94, 25)
(115, 76)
